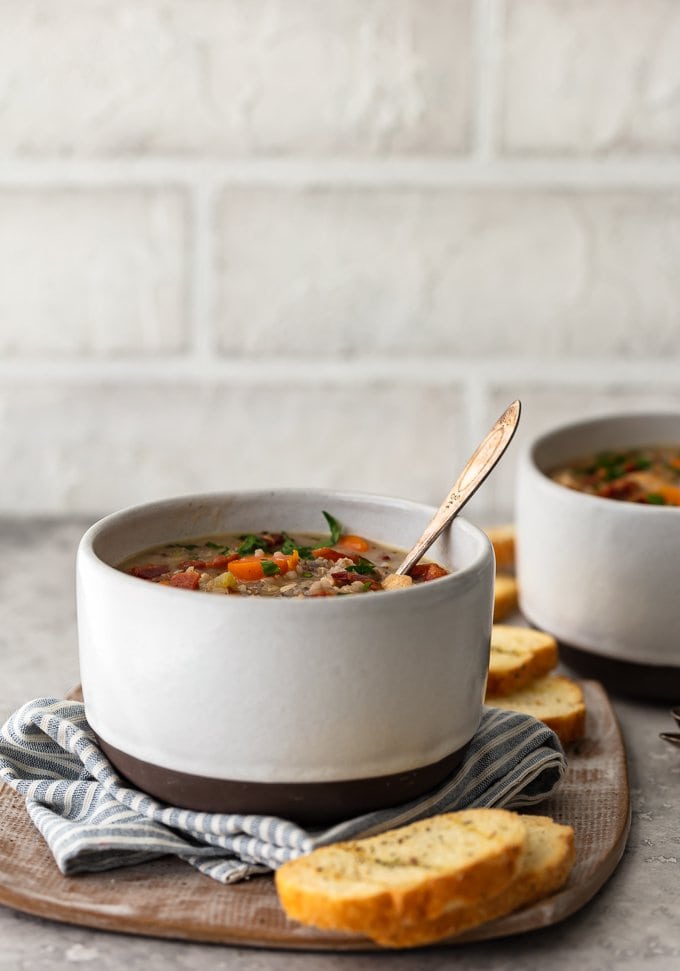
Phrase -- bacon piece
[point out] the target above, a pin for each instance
(150, 571)
(625, 489)
(273, 540)
(427, 571)
(220, 561)
(185, 564)
(343, 578)
(328, 553)
(188, 580)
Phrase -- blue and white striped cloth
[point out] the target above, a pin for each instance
(91, 820)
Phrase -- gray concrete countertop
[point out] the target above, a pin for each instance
(634, 920)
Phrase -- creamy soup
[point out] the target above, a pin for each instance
(275, 564)
(649, 475)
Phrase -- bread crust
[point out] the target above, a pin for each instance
(407, 875)
(545, 867)
(505, 597)
(519, 655)
(503, 542)
(553, 699)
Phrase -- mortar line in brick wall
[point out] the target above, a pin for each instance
(416, 172)
(488, 15)
(477, 378)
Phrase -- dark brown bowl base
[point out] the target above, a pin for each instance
(645, 681)
(307, 803)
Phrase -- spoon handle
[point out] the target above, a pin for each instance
(478, 467)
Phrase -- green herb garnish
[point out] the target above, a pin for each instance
(334, 526)
(250, 544)
(605, 460)
(289, 546)
(221, 550)
(655, 499)
(269, 568)
(364, 567)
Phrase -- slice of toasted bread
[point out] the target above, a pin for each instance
(504, 597)
(555, 700)
(409, 874)
(519, 655)
(503, 542)
(545, 867)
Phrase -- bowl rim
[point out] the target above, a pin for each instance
(458, 579)
(602, 502)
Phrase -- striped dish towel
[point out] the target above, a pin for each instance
(91, 820)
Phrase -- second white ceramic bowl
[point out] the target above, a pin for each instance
(601, 575)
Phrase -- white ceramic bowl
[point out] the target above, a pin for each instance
(601, 575)
(310, 708)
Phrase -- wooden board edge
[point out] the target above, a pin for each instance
(542, 914)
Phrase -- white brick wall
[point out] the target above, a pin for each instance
(299, 242)
(594, 76)
(92, 271)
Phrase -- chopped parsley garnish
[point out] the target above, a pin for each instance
(363, 567)
(269, 568)
(220, 550)
(334, 526)
(250, 543)
(614, 472)
(656, 499)
(289, 546)
(605, 460)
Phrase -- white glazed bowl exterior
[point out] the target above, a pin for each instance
(279, 690)
(601, 575)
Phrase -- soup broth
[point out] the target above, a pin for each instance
(276, 564)
(649, 475)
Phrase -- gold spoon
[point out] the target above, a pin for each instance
(475, 472)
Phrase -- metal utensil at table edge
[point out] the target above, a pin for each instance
(672, 737)
(480, 464)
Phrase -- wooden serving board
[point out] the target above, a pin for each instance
(167, 898)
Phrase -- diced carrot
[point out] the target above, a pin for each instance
(675, 462)
(286, 562)
(150, 571)
(670, 493)
(247, 568)
(188, 580)
(357, 543)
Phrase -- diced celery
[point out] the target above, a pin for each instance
(226, 581)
